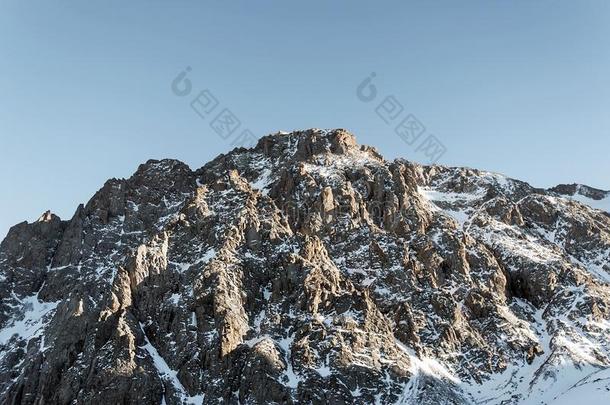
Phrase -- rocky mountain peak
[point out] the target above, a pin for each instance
(308, 269)
(47, 217)
(312, 144)
(580, 189)
(591, 196)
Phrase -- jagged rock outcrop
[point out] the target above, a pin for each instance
(309, 270)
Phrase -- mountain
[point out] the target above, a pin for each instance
(593, 197)
(308, 269)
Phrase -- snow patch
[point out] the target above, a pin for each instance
(165, 371)
(603, 204)
(33, 322)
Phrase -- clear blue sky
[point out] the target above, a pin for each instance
(517, 87)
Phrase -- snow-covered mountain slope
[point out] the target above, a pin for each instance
(595, 198)
(309, 270)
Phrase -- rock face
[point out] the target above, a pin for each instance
(309, 270)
